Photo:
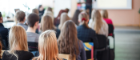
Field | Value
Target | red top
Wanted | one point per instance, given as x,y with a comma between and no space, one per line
108,21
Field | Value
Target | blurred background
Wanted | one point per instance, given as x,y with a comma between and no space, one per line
125,15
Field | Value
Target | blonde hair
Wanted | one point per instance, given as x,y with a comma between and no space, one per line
18,38
48,48
64,17
104,13
81,16
35,11
46,23
97,20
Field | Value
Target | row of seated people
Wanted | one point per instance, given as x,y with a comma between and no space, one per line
70,36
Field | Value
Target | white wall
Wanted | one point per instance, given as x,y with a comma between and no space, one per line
61,4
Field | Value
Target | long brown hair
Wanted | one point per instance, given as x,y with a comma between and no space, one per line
48,48
85,16
64,17
75,17
47,23
104,13
68,40
97,20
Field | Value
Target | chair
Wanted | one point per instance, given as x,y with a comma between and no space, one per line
4,43
102,47
111,32
89,48
65,56
33,46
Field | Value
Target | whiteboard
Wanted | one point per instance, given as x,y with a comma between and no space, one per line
61,4
112,4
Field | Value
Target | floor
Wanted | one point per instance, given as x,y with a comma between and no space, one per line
127,43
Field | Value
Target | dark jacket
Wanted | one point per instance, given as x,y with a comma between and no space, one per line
87,35
22,55
4,36
3,31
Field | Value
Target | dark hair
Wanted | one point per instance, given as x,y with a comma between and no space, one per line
20,15
75,17
32,19
0,14
39,6
67,10
68,40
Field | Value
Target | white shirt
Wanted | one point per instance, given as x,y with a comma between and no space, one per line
103,30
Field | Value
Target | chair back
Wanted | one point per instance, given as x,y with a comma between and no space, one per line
89,48
65,56
4,43
110,29
33,46
102,41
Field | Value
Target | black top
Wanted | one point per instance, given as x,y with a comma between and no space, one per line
22,55
3,31
87,35
89,2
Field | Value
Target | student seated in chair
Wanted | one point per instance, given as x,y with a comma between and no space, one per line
48,49
20,18
32,36
85,33
18,45
69,43
98,24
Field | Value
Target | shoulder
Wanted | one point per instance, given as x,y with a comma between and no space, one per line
25,53
91,30
6,53
6,56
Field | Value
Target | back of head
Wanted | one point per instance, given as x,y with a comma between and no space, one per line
64,17
32,19
20,16
18,38
35,11
49,9
67,10
97,19
83,18
39,6
104,14
48,48
75,17
47,23
68,40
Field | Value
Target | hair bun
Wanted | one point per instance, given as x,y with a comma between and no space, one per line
83,19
